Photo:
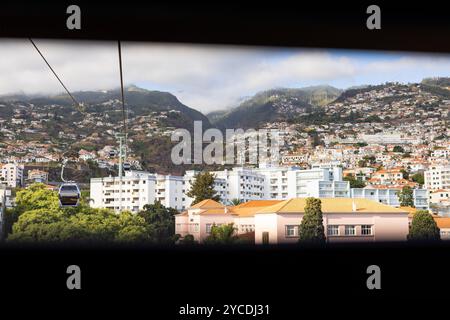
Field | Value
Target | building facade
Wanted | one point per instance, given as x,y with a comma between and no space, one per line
131,192
277,222
243,183
390,196
317,182
37,176
437,177
11,174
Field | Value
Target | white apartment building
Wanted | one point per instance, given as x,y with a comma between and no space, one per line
140,188
276,182
11,174
437,177
265,183
317,182
132,192
169,190
243,183
390,196
281,183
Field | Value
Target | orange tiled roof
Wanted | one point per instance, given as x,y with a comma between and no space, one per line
440,190
207,203
248,209
333,205
442,222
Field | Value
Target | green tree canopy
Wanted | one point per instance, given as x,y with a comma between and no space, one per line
418,178
203,188
354,182
405,174
39,218
161,222
423,227
311,228
398,149
86,225
406,197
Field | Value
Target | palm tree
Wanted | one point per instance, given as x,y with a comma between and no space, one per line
224,234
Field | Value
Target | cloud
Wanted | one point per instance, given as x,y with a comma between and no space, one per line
203,77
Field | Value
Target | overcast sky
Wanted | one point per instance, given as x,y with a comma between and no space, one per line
206,78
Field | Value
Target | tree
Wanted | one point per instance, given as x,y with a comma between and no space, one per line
86,225
418,178
405,197
188,240
36,196
362,163
311,228
354,183
224,234
398,149
236,201
405,174
39,218
423,227
161,222
203,188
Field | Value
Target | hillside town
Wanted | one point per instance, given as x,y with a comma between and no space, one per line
370,145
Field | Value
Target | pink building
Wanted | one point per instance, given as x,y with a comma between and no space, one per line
276,221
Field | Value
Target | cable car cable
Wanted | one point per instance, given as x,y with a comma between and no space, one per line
121,89
56,75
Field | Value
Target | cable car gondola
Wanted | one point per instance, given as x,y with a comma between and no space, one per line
126,166
69,195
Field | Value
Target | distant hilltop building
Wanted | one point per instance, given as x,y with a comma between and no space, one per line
37,176
389,138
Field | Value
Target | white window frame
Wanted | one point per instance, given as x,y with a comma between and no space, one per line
366,234
295,230
347,228
333,227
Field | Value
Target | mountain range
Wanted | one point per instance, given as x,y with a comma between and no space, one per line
279,104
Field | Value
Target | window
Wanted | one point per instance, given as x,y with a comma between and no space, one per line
333,230
292,231
350,230
208,227
366,230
